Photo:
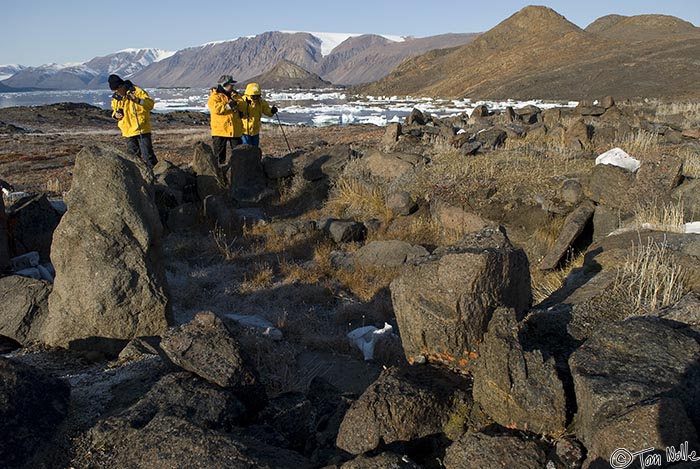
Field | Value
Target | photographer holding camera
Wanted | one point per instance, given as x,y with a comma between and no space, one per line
253,107
225,117
131,107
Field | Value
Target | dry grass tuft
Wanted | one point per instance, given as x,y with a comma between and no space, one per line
545,283
640,143
362,281
294,272
293,189
421,229
521,170
366,282
690,110
668,218
651,278
351,197
691,162
260,276
54,186
225,244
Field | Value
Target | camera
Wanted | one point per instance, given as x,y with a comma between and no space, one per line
117,97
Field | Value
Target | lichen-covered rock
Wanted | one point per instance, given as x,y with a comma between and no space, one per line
207,348
401,405
110,275
518,388
444,302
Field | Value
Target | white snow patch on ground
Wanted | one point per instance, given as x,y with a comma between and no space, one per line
618,157
693,227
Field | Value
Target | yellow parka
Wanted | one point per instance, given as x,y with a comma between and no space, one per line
225,119
137,115
253,109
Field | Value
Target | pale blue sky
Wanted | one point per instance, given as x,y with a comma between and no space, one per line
34,32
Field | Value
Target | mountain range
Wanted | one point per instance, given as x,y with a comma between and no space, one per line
537,53
342,59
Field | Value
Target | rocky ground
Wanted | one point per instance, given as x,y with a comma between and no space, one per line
522,335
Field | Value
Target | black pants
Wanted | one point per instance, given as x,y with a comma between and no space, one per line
141,146
220,146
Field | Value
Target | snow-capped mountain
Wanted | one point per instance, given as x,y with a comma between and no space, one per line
6,71
128,61
340,58
91,74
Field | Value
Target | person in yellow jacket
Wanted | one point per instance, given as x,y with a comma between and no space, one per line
131,107
253,107
226,125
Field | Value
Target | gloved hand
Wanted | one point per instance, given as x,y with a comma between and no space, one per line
273,110
132,97
119,114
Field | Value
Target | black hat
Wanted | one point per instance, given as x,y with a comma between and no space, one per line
226,80
114,82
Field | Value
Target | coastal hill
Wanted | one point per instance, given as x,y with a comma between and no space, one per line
538,53
287,75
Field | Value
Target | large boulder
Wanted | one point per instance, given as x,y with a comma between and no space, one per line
25,305
110,277
246,175
172,176
391,135
381,461
220,211
574,225
619,188
637,384
517,388
391,166
32,404
577,135
611,185
491,138
494,452
325,162
279,167
445,301
170,441
32,221
189,397
345,231
388,253
207,348
403,404
210,179
4,246
456,219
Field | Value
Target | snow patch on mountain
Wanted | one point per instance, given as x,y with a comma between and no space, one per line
330,41
7,70
155,55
